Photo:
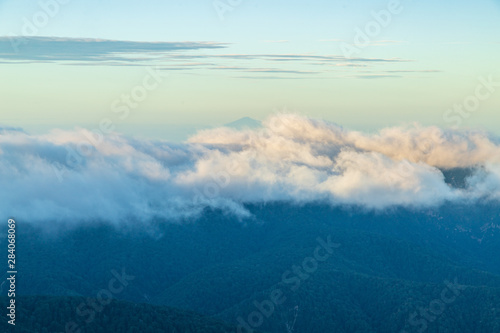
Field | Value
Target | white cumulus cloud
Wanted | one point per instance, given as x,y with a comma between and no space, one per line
66,176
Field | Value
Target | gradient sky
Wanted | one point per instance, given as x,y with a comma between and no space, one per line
263,57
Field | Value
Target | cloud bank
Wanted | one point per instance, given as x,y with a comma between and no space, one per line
78,176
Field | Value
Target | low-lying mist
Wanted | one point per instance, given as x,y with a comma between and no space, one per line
80,176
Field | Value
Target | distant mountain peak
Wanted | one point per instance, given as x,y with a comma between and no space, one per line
245,122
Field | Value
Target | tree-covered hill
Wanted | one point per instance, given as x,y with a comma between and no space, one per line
385,266
57,315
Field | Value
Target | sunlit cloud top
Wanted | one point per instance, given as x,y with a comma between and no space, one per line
78,176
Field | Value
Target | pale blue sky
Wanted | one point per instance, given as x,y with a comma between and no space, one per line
263,57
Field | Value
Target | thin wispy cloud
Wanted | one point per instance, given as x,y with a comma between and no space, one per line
388,74
415,71
457,43
370,43
374,76
276,41
268,77
91,50
176,56
349,65
274,70
263,70
387,42
99,50
331,40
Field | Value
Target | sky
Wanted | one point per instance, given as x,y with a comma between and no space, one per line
114,110
191,64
